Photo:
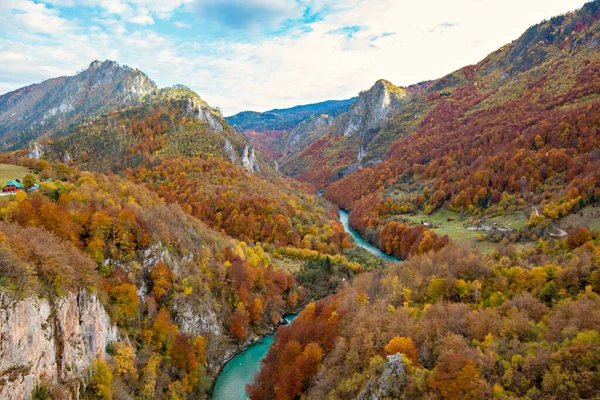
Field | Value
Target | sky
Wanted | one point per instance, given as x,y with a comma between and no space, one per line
261,54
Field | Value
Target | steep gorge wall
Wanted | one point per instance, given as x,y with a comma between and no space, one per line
54,341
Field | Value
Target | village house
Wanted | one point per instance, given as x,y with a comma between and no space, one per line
12,186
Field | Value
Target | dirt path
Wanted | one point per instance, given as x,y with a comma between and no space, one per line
560,232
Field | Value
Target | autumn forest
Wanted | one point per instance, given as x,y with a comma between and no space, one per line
196,234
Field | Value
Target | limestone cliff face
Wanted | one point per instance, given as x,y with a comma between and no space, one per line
235,147
306,132
372,109
352,132
36,152
197,316
249,159
230,151
388,385
55,341
201,111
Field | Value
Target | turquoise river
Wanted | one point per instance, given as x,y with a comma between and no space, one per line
240,370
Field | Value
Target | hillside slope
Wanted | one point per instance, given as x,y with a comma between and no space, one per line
354,139
98,274
29,112
552,66
518,130
449,326
172,122
517,133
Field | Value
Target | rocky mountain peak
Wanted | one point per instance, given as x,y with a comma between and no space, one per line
110,72
45,107
96,64
383,83
372,108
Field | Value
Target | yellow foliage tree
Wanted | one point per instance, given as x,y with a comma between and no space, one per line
101,380
124,359
149,375
200,347
20,196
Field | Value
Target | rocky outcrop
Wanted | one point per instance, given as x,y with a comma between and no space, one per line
128,84
372,109
200,110
196,316
208,117
249,159
305,133
36,152
198,319
388,385
51,341
230,151
352,133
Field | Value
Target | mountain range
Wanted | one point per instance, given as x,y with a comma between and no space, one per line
91,117
29,112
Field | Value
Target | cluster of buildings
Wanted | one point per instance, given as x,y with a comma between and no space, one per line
15,185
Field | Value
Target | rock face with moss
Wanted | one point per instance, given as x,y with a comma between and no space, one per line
306,132
389,384
51,342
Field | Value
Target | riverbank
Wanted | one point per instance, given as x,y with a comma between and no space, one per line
344,218
240,369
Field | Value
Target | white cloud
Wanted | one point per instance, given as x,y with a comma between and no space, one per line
33,18
143,19
314,66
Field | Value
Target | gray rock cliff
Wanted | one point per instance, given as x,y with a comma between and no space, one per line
388,385
55,341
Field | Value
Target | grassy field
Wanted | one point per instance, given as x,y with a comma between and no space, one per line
289,265
8,172
589,216
486,247
515,221
439,217
455,229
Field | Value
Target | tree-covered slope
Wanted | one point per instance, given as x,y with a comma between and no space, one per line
287,118
173,122
551,69
450,325
518,131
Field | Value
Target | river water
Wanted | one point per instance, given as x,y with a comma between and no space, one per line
362,242
240,370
